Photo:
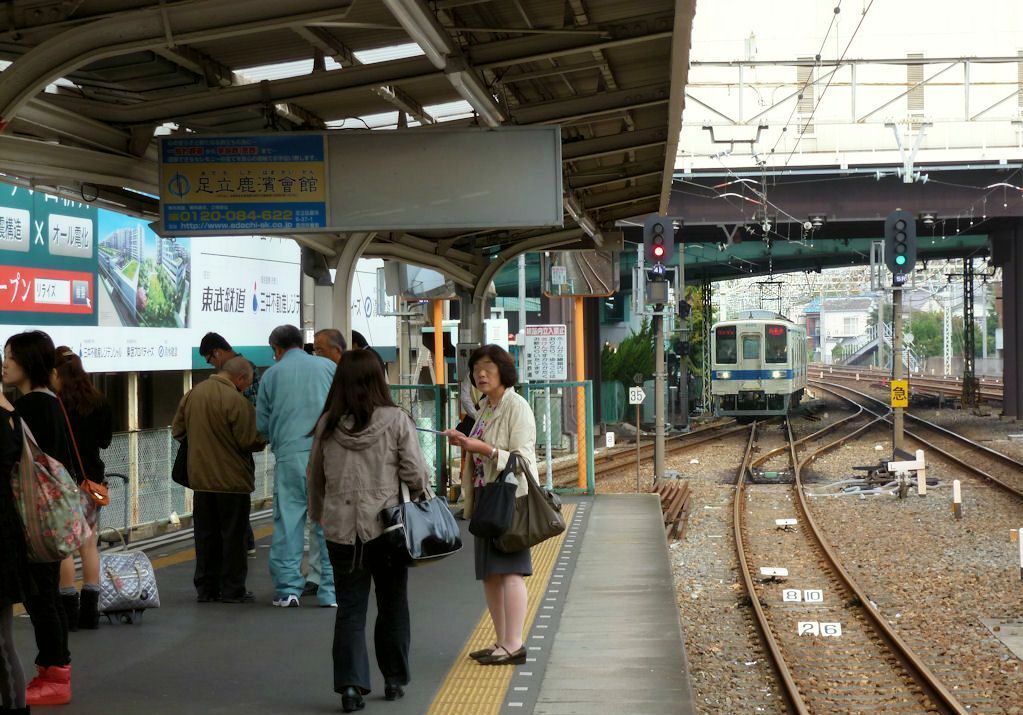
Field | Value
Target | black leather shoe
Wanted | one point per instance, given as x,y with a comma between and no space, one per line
310,588
351,700
393,691
247,597
207,598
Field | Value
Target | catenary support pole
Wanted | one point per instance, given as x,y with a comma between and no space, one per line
583,439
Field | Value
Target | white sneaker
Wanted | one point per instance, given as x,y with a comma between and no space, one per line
289,601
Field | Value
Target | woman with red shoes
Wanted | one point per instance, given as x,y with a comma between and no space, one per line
28,365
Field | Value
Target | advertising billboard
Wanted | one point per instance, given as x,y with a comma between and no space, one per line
126,299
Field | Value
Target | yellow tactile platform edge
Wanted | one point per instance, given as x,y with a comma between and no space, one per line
473,689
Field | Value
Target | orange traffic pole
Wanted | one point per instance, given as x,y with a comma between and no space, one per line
580,392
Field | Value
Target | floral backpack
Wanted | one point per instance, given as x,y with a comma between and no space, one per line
48,502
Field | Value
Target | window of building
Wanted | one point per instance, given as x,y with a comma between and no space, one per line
612,309
849,326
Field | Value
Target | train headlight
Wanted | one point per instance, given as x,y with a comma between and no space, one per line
777,374
724,374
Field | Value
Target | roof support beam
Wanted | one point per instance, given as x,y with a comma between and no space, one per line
163,25
354,80
614,175
608,199
26,157
408,254
534,243
344,56
613,144
532,48
592,105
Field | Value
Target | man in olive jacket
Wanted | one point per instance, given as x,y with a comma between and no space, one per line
220,425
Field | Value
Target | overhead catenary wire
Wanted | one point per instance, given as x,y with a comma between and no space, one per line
820,97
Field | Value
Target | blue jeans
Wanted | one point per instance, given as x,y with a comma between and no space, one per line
288,543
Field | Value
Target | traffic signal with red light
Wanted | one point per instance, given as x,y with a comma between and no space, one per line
658,239
900,243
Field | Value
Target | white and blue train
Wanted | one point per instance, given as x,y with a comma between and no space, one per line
758,365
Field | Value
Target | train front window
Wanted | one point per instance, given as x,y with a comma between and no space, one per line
724,344
750,347
775,345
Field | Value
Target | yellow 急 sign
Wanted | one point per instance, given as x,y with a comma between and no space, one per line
900,393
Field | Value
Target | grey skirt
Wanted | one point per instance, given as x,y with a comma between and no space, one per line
491,562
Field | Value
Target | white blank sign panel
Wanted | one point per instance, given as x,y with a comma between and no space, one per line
445,178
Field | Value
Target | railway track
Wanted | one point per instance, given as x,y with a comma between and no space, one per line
990,465
990,390
831,650
614,460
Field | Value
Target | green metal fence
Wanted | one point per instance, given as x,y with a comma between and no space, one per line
536,393
427,404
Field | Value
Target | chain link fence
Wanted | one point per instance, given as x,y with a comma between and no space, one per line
150,495
145,458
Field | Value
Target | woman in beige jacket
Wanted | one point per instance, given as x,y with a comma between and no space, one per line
364,447
504,424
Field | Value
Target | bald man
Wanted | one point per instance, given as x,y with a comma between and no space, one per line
329,343
220,426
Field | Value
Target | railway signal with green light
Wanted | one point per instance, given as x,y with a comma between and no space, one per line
900,243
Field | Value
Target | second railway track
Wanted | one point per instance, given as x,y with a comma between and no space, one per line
832,652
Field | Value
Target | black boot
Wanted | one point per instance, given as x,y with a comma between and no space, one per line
88,613
70,604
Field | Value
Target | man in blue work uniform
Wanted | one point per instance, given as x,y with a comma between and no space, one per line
291,396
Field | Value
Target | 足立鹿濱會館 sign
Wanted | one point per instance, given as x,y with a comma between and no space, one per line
243,184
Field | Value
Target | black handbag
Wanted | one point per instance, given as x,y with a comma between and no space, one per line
420,532
537,518
494,510
179,472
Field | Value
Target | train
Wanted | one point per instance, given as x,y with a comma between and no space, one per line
758,365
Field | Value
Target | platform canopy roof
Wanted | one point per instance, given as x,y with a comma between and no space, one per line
89,84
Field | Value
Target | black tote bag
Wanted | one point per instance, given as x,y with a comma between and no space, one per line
179,472
494,510
421,532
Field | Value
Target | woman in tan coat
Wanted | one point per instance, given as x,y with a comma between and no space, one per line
364,446
504,424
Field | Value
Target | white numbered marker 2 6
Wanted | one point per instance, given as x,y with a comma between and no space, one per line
813,595
831,629
809,628
791,595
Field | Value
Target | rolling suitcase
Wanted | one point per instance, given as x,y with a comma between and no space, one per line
127,580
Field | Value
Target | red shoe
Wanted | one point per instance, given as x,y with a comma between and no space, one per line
52,686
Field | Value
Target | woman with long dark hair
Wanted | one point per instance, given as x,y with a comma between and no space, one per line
15,581
91,420
28,365
364,447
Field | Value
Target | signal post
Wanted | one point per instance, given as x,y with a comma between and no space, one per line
658,247
900,257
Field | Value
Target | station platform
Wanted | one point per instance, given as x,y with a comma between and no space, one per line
603,636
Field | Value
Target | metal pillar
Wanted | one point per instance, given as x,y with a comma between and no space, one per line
522,317
946,333
347,260
897,368
659,388
971,388
584,440
706,296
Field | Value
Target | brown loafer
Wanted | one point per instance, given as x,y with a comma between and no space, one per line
505,658
483,653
